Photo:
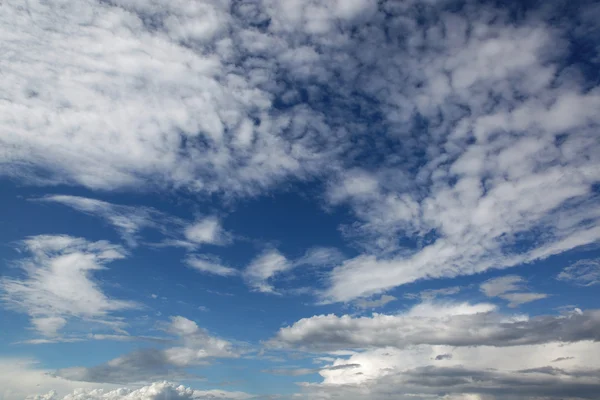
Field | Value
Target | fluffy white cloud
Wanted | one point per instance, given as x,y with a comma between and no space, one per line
205,231
454,136
168,104
58,282
154,391
491,372
22,379
489,151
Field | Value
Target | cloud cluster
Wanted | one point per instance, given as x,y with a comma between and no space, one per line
450,351
183,97
490,136
454,135
57,283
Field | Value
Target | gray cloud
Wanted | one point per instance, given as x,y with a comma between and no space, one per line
464,383
192,346
458,325
374,303
510,288
562,359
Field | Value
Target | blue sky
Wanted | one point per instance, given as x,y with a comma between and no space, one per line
299,199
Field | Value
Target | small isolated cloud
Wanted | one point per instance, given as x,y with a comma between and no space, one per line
206,231
440,357
582,273
497,286
58,283
265,267
210,265
510,288
365,304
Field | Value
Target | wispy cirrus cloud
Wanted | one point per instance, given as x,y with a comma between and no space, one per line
582,272
129,221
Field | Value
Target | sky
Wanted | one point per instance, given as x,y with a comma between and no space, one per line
299,199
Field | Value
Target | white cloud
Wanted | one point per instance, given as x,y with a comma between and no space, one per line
265,267
205,231
497,286
156,390
174,107
483,371
23,379
582,272
48,326
130,220
210,266
58,282
453,139
510,288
